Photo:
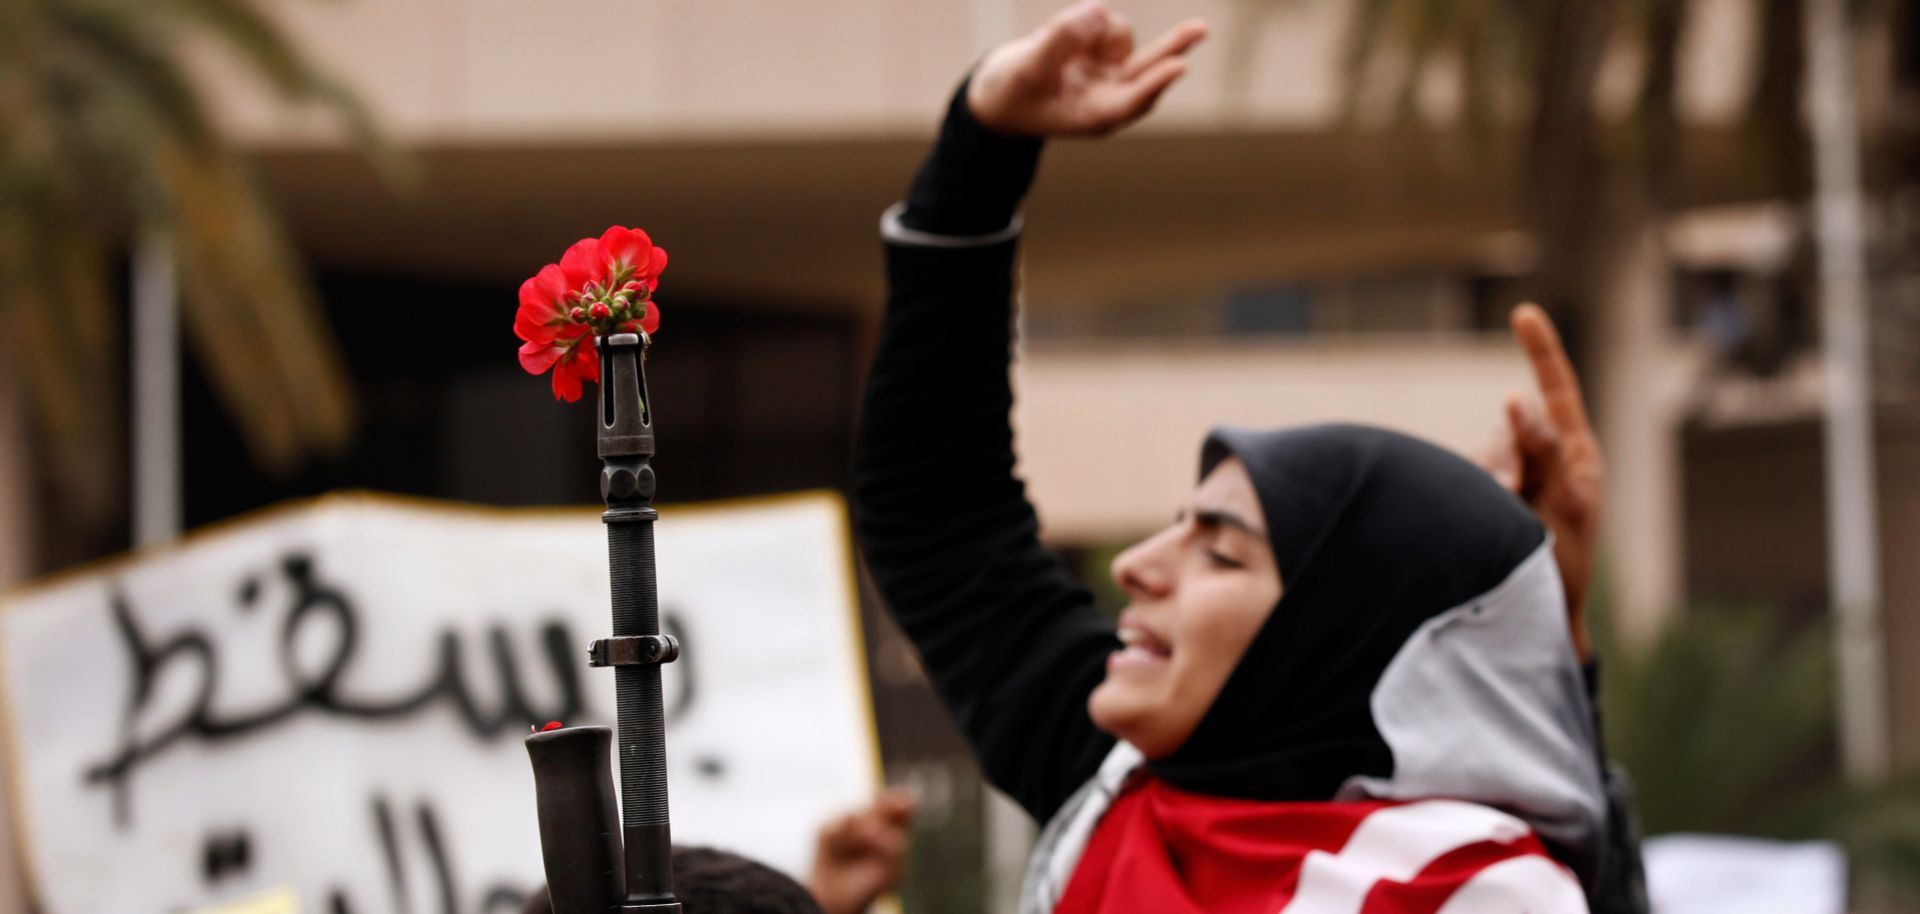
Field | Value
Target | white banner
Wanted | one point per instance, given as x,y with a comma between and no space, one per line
331,698
1725,874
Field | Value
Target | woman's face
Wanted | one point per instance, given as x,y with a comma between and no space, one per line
1197,593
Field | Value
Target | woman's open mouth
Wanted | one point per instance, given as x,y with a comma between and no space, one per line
1141,648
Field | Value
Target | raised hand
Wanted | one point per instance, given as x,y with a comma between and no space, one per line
1548,455
1077,75
860,856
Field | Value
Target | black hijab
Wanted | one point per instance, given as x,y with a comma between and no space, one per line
1375,533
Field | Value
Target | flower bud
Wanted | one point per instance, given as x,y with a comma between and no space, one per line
600,311
634,286
578,314
622,300
630,327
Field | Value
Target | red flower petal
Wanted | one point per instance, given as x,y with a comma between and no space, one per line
651,323
545,288
540,305
626,246
587,360
656,264
536,357
566,381
532,328
583,263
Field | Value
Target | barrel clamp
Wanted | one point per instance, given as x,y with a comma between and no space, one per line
634,650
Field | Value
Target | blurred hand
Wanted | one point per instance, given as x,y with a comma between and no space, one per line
1547,454
860,856
1077,75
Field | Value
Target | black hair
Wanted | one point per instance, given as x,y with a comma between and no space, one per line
711,881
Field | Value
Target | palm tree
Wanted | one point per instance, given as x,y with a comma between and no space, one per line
1749,750
1726,722
106,137
1529,69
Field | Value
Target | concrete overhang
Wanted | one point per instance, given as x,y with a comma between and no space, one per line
796,221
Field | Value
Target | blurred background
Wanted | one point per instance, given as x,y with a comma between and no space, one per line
257,249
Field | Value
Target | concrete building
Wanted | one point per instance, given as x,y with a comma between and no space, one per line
1250,255
1249,213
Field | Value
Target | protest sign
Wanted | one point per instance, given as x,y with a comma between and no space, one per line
331,697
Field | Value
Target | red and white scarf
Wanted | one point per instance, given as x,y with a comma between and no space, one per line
1165,851
1486,716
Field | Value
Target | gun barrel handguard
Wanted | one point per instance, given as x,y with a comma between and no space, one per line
635,652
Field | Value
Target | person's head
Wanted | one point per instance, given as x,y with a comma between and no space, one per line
1197,593
1343,611
709,881
1297,568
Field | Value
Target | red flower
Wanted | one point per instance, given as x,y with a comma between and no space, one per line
568,373
553,339
543,307
631,256
601,285
582,264
618,256
571,361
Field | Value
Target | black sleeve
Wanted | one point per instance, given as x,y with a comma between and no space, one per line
973,180
1008,635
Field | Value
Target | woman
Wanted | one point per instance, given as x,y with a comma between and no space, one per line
1344,682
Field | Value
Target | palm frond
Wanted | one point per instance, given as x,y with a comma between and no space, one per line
1725,708
1727,724
1660,25
1369,30
250,317
103,131
107,53
253,37
56,311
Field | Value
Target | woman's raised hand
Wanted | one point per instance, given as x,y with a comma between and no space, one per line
1078,75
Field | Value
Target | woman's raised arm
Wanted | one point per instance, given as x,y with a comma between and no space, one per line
1008,635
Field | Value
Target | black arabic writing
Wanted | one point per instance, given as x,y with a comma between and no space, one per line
319,690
